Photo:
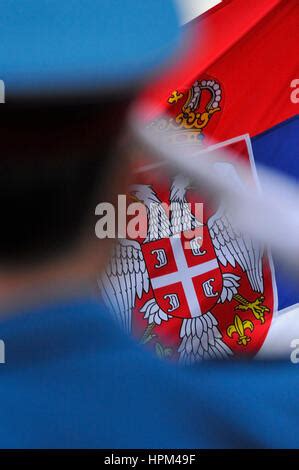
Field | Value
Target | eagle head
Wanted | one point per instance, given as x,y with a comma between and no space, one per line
144,193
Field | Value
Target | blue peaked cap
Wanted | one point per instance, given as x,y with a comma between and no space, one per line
74,46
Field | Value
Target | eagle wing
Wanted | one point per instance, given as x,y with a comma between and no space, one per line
233,247
126,279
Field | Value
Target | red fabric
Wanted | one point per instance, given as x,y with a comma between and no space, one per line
251,49
165,338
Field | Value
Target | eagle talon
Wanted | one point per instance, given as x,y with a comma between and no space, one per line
256,307
148,334
147,339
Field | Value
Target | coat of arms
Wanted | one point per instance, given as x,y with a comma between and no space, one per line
194,287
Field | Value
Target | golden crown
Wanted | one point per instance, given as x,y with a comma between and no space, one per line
186,126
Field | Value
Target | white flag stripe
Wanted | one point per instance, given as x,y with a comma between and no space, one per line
283,335
190,9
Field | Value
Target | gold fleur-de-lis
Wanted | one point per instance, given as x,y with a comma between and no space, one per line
238,327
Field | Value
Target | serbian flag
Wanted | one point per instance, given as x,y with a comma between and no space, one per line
250,49
233,86
243,57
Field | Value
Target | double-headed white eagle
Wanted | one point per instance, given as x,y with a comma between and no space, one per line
126,277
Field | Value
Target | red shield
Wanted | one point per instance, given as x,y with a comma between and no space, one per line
200,290
184,271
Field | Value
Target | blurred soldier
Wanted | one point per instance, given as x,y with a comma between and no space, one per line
71,379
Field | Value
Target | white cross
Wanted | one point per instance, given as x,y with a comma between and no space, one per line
184,274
